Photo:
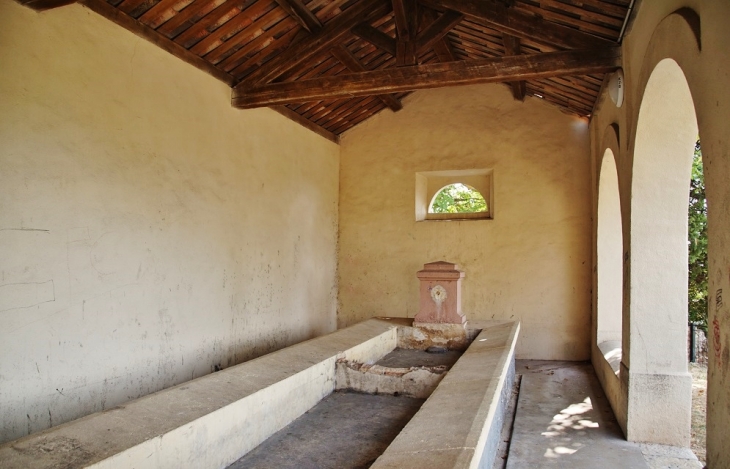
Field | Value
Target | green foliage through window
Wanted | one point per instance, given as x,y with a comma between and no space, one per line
697,243
458,198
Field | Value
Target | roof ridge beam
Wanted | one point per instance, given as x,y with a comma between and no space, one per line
417,77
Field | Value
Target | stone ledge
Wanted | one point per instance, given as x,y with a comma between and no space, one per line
460,423
210,421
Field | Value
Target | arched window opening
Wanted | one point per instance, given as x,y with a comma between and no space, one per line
458,198
610,263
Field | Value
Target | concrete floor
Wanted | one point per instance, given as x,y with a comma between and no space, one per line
564,420
345,430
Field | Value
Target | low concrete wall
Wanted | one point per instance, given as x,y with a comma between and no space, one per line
209,422
459,425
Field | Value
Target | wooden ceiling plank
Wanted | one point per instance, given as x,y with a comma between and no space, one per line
351,108
336,108
242,56
188,17
135,8
342,54
360,116
520,24
240,27
554,17
437,30
323,40
500,69
303,15
588,16
222,20
282,31
162,12
375,37
329,108
512,47
140,29
43,5
215,49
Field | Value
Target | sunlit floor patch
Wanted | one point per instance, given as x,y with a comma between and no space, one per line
564,420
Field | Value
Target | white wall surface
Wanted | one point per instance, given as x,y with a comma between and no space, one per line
148,231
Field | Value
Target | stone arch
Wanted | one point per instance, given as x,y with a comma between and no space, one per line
658,384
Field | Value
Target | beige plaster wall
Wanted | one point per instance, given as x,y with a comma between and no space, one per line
531,262
148,231
653,37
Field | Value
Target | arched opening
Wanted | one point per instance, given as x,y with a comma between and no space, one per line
610,263
659,385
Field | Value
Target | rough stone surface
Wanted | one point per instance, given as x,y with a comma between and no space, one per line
400,358
210,421
345,430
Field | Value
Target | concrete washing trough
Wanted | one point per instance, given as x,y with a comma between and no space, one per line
215,420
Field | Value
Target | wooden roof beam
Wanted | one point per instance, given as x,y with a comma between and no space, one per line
416,77
303,15
342,54
406,25
494,14
512,47
319,42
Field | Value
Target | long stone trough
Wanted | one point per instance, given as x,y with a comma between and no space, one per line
212,421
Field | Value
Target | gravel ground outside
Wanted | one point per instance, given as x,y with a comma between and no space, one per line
699,409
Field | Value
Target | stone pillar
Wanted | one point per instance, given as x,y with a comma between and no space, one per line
440,294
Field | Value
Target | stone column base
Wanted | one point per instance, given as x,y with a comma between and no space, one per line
659,408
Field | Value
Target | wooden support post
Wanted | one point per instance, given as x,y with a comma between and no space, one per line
512,47
406,23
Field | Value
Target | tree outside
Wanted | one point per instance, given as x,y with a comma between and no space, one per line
697,243
458,198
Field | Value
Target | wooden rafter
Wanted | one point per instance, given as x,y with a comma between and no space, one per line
301,13
496,15
416,77
326,38
406,23
512,47
436,31
375,37
342,54
443,48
